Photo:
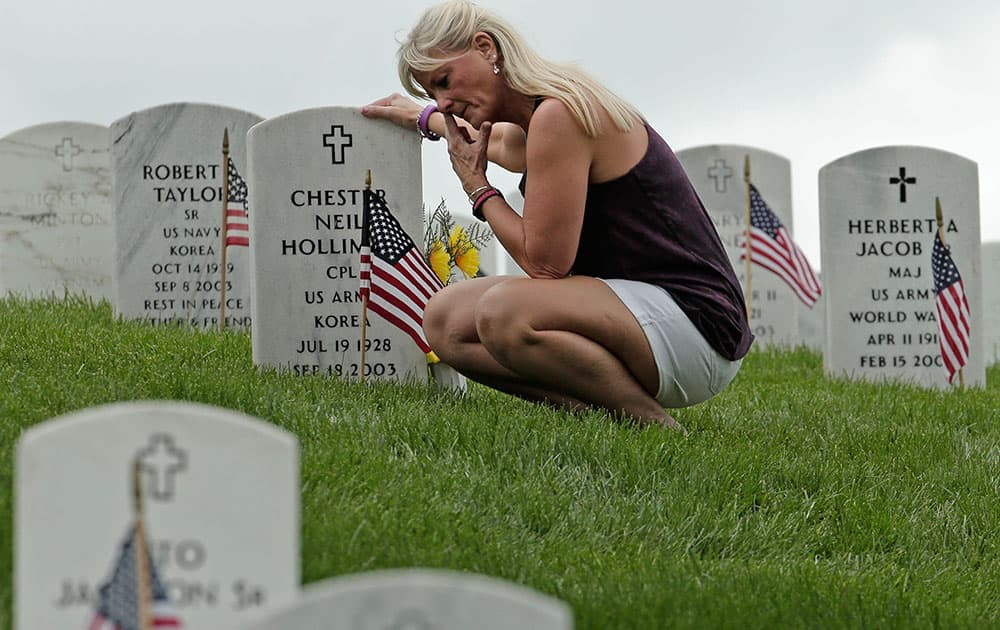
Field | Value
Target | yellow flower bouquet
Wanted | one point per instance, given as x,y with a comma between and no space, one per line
452,247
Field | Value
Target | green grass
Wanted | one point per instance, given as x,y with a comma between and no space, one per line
796,500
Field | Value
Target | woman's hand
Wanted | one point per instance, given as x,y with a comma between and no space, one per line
468,155
395,108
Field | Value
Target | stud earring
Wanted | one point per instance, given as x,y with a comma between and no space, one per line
496,68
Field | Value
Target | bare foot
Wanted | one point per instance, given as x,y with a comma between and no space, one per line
669,422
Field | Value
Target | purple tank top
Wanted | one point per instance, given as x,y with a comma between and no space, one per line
649,225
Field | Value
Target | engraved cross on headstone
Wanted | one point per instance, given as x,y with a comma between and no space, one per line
720,172
66,151
902,180
337,140
161,461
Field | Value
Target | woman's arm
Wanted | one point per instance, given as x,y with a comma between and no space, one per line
544,239
506,145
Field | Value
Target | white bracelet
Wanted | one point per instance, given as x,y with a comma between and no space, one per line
475,193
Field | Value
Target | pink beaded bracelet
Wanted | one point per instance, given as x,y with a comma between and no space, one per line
423,119
477,208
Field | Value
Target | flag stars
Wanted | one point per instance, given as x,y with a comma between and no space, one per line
394,276
761,216
237,185
118,598
943,267
391,241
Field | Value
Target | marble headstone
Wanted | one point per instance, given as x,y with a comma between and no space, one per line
991,301
55,211
168,210
420,598
308,171
716,171
221,512
877,229
812,325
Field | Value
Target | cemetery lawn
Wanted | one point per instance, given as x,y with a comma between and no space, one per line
796,500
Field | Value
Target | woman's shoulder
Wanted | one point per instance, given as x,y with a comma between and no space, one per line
550,107
552,115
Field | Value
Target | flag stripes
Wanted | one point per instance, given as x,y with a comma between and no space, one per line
236,228
772,247
118,598
952,309
394,276
398,294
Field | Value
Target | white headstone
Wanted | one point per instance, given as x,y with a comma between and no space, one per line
221,511
991,301
55,211
877,228
717,173
420,599
168,209
308,171
812,325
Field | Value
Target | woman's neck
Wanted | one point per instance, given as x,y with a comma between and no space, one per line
520,109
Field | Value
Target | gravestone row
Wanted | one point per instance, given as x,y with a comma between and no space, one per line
154,203
155,194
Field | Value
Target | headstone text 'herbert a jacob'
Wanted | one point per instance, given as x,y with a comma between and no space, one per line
55,211
168,210
307,172
878,229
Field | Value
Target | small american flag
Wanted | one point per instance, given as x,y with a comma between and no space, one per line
394,275
118,598
952,309
772,247
237,228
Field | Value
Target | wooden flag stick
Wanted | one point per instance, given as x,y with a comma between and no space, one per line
364,296
225,210
144,589
746,236
940,223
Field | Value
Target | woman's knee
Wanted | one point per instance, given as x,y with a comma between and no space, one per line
436,322
502,320
448,320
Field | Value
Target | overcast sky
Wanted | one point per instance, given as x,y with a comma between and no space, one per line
810,80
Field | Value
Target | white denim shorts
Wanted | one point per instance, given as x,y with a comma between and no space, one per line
691,371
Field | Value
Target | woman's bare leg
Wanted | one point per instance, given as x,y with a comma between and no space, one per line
449,323
569,341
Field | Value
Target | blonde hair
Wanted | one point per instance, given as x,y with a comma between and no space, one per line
449,28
